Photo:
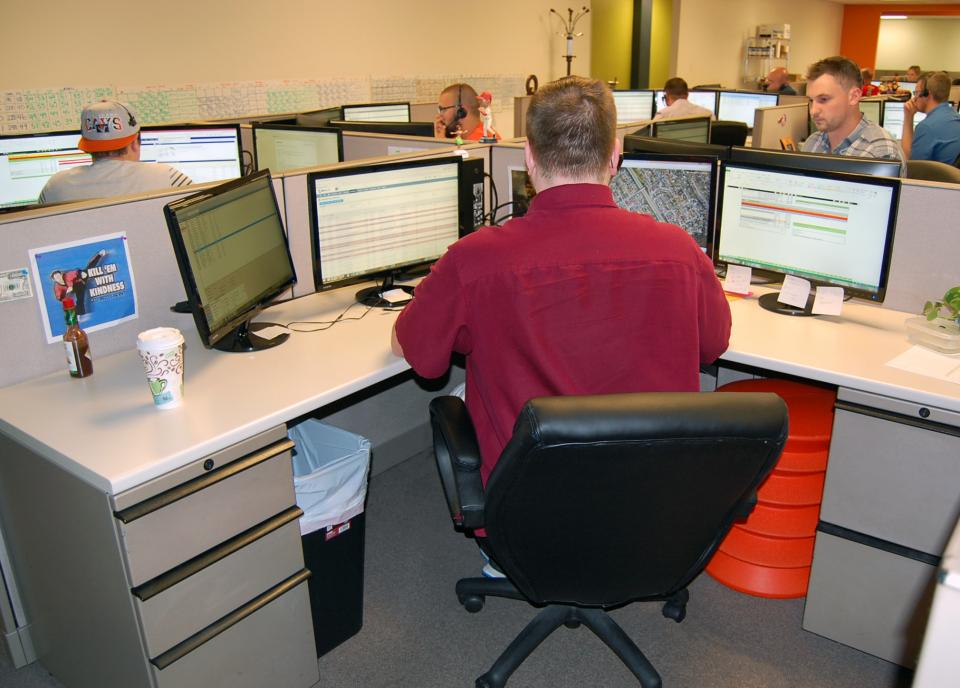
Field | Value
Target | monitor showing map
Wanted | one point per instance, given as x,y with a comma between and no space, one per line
679,189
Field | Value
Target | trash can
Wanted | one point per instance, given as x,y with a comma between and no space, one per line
330,468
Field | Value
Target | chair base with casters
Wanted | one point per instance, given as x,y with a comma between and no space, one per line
584,477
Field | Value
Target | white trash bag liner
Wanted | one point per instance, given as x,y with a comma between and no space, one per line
330,468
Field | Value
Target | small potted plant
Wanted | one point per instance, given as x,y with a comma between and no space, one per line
946,311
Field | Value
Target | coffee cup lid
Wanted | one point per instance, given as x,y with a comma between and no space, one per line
159,337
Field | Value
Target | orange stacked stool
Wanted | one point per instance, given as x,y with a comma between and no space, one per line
769,555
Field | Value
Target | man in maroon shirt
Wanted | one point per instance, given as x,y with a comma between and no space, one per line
575,297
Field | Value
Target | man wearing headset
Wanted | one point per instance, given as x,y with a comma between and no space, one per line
937,137
109,131
458,114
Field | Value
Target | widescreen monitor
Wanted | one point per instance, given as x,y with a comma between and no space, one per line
281,147
638,143
876,167
739,106
832,229
203,152
691,129
775,126
872,110
395,128
893,118
233,257
373,221
633,106
376,112
27,161
705,99
679,189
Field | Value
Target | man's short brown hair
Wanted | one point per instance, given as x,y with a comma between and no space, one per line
676,87
841,68
938,86
571,127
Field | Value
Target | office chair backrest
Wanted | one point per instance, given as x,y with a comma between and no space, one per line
933,171
728,133
599,500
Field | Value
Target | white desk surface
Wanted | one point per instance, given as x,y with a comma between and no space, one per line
105,430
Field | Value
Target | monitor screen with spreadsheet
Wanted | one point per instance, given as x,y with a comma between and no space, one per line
705,99
830,228
893,118
372,221
739,106
692,129
203,152
679,189
234,259
872,110
281,147
27,161
376,112
633,106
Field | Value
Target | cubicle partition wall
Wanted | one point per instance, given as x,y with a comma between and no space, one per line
506,165
363,145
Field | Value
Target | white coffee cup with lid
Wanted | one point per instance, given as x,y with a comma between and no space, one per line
161,350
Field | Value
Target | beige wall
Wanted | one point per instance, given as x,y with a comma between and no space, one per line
931,43
710,34
153,43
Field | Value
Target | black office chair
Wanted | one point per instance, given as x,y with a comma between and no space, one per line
728,133
933,171
598,501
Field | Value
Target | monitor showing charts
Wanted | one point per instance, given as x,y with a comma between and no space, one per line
739,106
672,188
705,99
203,152
376,112
27,161
893,118
830,228
281,147
633,106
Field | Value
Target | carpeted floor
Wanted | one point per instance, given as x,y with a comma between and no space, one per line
416,635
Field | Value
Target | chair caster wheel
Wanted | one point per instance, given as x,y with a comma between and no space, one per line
483,683
472,603
675,611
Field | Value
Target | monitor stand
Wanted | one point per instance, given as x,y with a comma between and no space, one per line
243,339
770,303
373,296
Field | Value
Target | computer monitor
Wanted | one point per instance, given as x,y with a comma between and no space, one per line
395,128
376,112
832,229
774,125
203,152
318,118
679,189
27,161
705,99
234,259
893,118
373,221
876,167
739,106
872,110
908,86
281,147
691,129
633,106
638,143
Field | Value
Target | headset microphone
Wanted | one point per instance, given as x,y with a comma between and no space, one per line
461,111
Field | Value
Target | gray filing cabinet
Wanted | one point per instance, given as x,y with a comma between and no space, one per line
891,499
195,578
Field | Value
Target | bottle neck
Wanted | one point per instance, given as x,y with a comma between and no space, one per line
70,316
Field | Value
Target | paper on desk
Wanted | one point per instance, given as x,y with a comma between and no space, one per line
924,361
737,279
828,301
395,296
271,332
794,291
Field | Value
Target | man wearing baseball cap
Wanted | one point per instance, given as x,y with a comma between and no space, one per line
110,133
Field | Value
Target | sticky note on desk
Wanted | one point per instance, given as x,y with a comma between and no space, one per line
794,292
828,301
737,279
395,296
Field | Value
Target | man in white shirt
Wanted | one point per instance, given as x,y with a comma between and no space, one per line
675,92
110,133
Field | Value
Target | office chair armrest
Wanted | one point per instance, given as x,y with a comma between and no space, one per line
458,460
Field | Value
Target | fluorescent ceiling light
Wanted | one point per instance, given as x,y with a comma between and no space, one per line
893,16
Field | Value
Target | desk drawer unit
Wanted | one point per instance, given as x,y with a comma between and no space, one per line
891,499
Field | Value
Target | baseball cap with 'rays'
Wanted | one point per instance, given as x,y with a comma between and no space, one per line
106,126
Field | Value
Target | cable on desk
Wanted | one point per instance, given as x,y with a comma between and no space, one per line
321,325
493,191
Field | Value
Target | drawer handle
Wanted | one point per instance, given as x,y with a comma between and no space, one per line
921,423
157,585
876,543
182,649
148,506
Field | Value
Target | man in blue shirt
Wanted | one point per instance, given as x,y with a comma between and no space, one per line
937,137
